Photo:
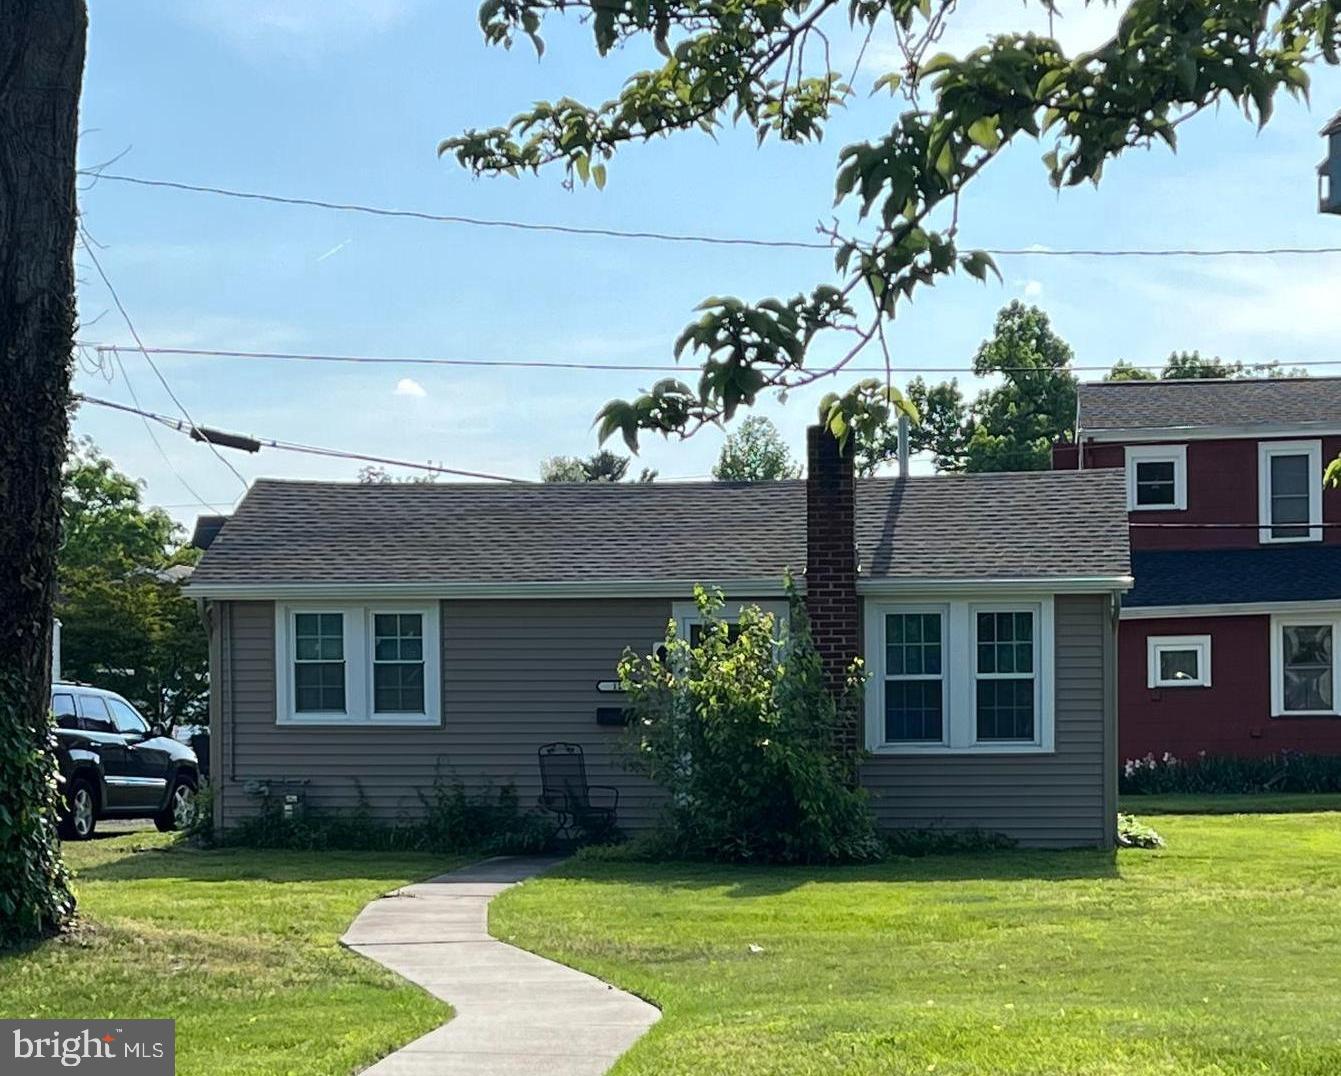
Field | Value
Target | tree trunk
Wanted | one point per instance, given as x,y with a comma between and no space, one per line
41,67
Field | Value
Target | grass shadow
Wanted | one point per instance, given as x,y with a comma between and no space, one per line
749,881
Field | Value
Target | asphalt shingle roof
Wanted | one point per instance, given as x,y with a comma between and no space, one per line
1005,526
1135,405
1235,576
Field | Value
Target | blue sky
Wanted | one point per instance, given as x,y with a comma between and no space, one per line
347,100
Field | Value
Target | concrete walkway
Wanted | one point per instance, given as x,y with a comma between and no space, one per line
516,1013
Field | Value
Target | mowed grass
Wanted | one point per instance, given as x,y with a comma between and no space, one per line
1263,803
1220,954
240,947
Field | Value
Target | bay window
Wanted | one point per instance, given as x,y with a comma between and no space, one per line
973,676
343,664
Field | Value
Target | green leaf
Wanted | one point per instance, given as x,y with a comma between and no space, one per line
598,176
984,133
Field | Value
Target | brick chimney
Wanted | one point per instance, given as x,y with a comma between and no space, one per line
831,555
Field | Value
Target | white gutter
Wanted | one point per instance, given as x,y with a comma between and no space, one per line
1169,612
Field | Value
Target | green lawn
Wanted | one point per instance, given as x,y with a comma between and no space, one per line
239,946
1266,803
1220,954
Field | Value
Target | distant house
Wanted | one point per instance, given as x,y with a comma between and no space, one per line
1228,640
367,637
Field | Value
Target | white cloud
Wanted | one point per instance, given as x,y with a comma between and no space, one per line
408,386
296,26
1033,289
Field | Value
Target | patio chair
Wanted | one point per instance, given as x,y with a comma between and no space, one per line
564,792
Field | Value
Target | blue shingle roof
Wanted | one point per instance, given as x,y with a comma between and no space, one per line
1235,576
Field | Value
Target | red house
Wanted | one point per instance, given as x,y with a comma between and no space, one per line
1228,641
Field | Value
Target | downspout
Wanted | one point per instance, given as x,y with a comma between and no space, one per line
1111,711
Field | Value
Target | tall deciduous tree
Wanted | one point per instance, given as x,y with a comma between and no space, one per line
766,64
755,452
1010,427
41,66
125,624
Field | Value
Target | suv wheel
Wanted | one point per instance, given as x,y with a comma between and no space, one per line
81,817
181,809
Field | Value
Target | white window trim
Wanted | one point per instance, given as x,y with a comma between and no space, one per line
1157,644
358,640
686,614
1278,624
884,675
959,664
1265,451
1175,454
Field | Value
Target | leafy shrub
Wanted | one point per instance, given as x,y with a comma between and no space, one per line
938,842
453,821
740,729
1288,771
1133,833
201,829
35,894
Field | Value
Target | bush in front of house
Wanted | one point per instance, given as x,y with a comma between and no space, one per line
1288,771
1133,833
740,730
454,821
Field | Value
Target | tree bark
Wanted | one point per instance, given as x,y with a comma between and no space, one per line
42,46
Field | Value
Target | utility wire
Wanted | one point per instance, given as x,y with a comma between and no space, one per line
673,237
130,325
545,364
191,430
159,444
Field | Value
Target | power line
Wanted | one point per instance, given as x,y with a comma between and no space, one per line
130,325
689,237
159,445
201,434
545,364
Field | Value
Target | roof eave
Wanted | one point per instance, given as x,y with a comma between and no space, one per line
1129,434
641,588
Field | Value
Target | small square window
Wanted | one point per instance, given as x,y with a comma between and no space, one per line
1156,478
1178,661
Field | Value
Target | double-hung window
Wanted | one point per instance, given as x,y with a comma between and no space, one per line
1156,478
1304,673
914,680
1006,686
1289,491
357,664
319,663
960,675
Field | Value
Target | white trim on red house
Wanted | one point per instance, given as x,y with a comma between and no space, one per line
1278,624
1265,451
1179,612
1155,645
1261,430
1175,454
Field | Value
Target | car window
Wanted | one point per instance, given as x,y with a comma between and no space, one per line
127,720
63,707
93,714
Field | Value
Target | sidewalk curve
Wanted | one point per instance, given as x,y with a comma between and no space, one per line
516,1013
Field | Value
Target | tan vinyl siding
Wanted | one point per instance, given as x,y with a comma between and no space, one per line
1055,800
515,675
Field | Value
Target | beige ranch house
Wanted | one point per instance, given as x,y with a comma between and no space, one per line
365,639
